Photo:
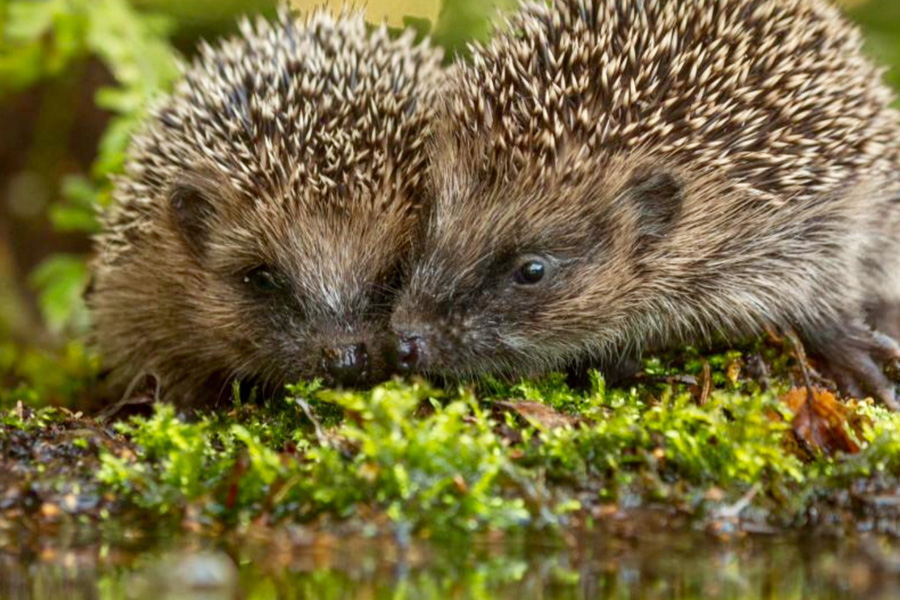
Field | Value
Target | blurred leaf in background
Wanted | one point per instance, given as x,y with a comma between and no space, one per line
61,279
464,21
207,19
453,23
133,48
393,12
45,40
27,52
880,20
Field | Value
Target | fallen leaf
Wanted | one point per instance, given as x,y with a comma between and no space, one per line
537,414
820,421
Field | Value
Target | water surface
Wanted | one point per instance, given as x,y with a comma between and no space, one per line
293,563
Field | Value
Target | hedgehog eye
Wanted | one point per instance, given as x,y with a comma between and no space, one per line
262,279
530,271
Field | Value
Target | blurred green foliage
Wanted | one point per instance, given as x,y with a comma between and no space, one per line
464,21
880,20
42,40
39,377
53,39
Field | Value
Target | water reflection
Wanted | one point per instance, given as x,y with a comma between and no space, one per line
672,566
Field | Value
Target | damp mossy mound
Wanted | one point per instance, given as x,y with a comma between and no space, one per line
707,438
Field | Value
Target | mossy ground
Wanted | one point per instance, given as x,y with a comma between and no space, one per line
713,438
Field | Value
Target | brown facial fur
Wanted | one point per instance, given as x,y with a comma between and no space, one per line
683,169
294,149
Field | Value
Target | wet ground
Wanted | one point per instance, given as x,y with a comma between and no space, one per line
607,562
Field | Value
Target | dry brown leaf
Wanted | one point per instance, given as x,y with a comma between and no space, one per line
537,414
820,421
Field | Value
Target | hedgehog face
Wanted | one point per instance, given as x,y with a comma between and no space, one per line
287,290
265,210
266,290
531,272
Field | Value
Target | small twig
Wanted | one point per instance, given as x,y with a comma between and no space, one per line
307,410
707,384
800,355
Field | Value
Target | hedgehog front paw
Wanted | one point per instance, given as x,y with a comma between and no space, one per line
856,359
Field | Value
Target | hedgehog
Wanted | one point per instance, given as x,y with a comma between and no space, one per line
260,227
609,178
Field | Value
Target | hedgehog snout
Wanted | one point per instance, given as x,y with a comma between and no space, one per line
410,347
347,365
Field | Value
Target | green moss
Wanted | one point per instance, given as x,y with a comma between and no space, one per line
441,471
697,432
436,461
731,442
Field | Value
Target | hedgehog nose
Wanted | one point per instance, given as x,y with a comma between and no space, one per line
348,365
409,349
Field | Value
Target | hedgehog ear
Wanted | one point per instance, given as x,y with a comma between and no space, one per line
192,213
658,196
